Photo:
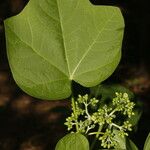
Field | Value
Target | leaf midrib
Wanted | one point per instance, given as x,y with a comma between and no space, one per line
63,38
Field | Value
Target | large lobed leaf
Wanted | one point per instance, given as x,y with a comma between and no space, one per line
52,42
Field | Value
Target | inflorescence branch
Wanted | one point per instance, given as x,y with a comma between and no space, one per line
104,118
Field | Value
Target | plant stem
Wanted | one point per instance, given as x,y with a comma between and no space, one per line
86,111
97,134
112,112
93,144
99,130
115,125
74,111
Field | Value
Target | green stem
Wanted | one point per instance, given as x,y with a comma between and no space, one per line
115,125
86,111
94,133
99,130
113,112
95,140
93,144
74,111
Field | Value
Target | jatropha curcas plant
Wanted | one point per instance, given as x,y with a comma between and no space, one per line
53,43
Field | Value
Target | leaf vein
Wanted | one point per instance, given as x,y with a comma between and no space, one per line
36,51
90,46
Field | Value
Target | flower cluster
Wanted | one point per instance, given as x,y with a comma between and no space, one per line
105,118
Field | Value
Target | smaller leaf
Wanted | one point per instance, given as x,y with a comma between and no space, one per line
121,141
130,145
73,141
108,91
136,117
147,143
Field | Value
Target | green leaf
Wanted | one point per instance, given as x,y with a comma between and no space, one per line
147,143
108,91
73,141
52,42
121,141
136,117
130,145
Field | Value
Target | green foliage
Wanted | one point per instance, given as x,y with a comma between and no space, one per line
107,91
137,115
52,42
73,141
121,141
147,143
130,145
105,118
